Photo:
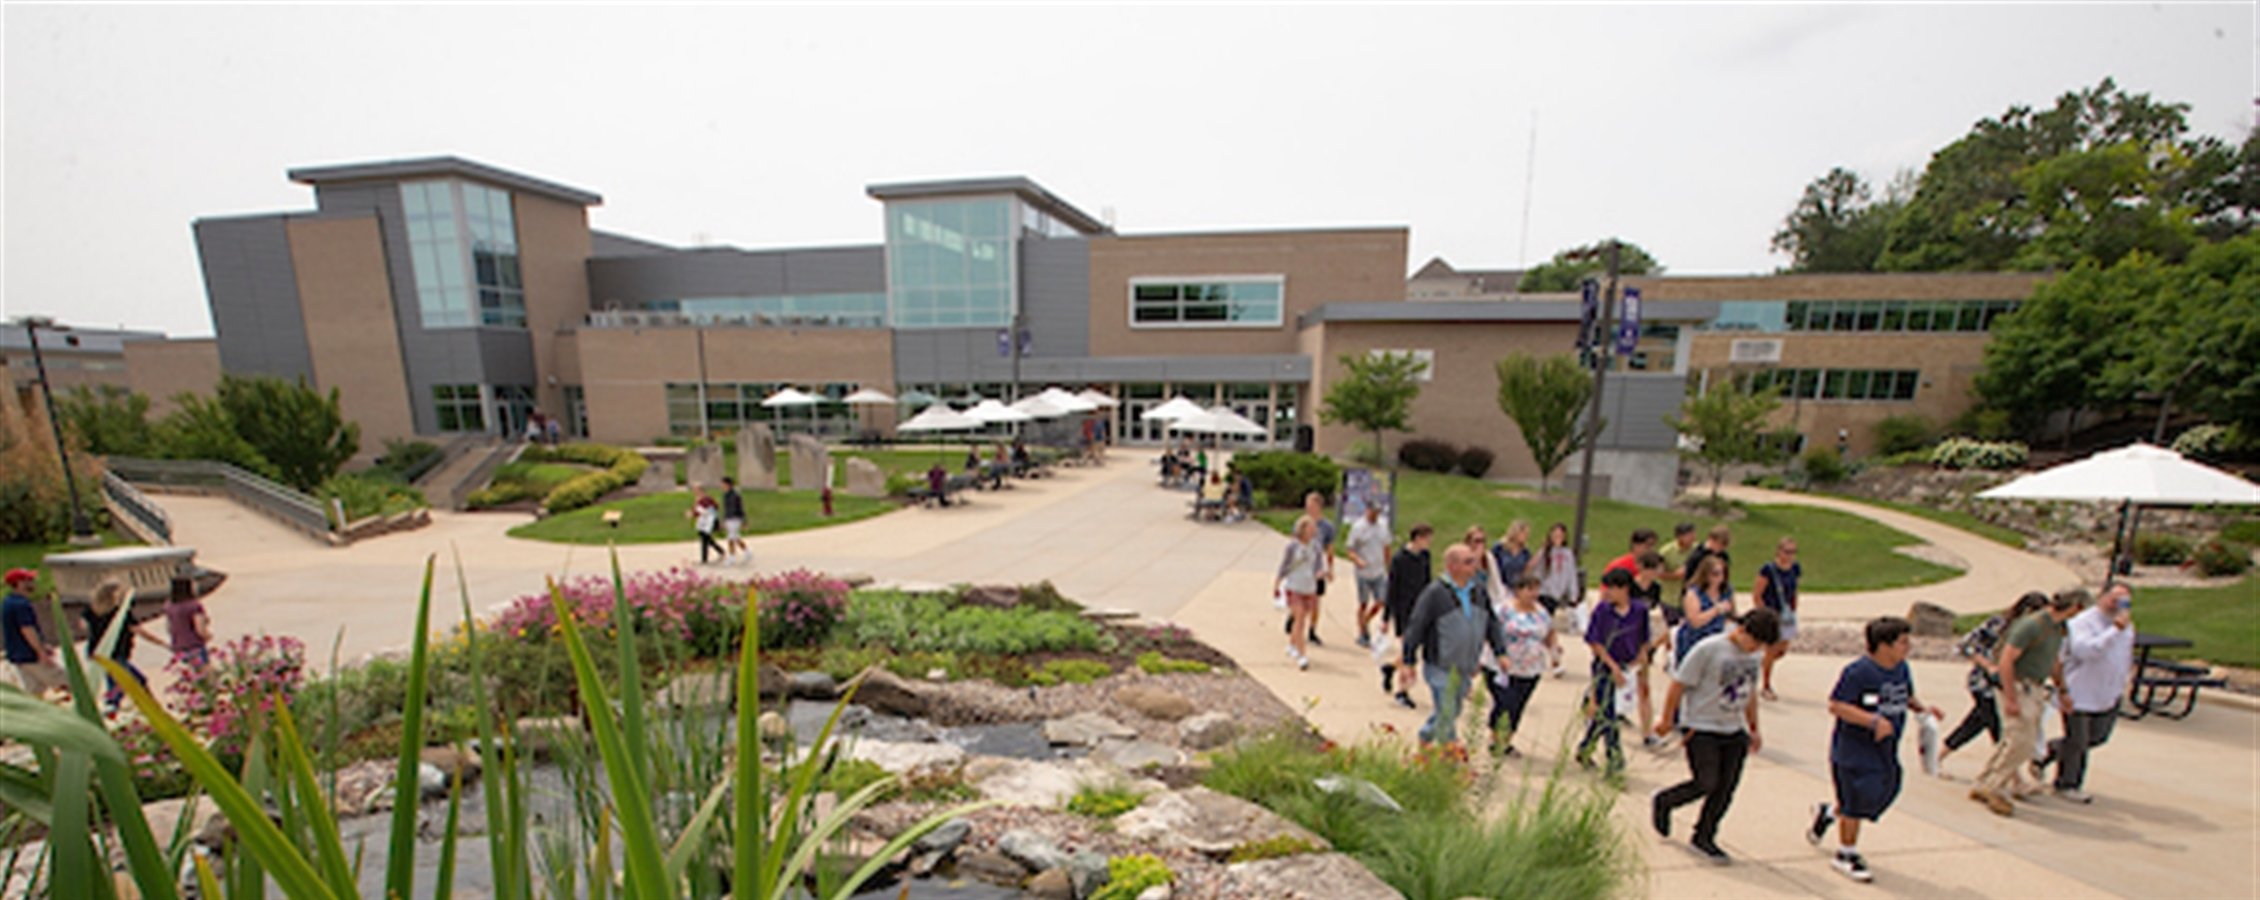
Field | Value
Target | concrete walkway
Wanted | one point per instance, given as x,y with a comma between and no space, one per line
2176,814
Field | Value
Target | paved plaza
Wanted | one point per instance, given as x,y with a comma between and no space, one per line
2175,814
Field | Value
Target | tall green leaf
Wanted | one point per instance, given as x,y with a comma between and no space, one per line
506,833
112,774
400,862
645,865
329,850
750,805
631,672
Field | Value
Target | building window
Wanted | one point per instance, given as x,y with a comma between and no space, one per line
576,411
950,263
463,249
1838,384
789,311
458,407
1257,301
731,404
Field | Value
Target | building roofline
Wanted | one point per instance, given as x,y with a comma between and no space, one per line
1260,232
441,166
1021,186
1426,311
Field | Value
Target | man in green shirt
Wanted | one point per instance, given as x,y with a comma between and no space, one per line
2028,658
1674,553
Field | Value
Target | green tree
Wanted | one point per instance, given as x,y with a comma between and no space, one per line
1725,427
1375,394
2206,314
1546,399
299,430
1568,268
2100,174
202,428
1837,226
108,419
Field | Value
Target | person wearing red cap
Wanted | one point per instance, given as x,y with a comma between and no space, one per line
34,662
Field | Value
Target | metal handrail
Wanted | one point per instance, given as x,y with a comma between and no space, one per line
277,501
125,497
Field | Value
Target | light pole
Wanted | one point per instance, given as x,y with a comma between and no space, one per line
1602,341
82,527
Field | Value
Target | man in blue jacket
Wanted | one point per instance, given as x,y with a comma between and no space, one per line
1451,623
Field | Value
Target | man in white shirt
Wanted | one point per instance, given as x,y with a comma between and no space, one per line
1368,549
2098,657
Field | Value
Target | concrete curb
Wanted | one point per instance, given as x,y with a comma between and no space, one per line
2231,700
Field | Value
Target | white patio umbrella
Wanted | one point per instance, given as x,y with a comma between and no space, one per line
2138,474
1040,407
990,411
939,418
790,397
915,398
868,397
1096,399
1219,420
1176,408
1071,403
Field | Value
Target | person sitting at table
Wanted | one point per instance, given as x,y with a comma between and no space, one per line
1019,455
1210,506
937,484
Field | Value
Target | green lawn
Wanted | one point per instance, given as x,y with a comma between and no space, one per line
661,518
890,462
1951,518
1840,551
28,556
2222,622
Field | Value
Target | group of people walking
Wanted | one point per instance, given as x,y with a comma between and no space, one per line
1500,611
189,632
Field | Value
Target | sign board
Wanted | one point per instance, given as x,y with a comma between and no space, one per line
1754,350
1362,488
1628,322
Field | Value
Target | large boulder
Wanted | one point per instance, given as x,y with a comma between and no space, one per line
1132,756
1334,876
453,763
899,757
1051,884
865,478
1154,703
990,867
1032,850
885,692
1931,620
702,466
812,463
994,596
757,457
1207,731
1084,729
1019,782
812,686
1206,821
713,689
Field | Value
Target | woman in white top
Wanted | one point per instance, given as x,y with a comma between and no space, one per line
1556,567
1298,577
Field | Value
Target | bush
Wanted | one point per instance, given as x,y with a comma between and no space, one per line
2220,558
1475,462
2245,532
1429,455
1900,434
2207,442
799,608
1823,466
408,459
900,484
1366,453
1271,848
1104,801
231,697
1765,480
906,622
1982,424
1064,671
621,468
2160,550
1282,478
1129,876
373,493
1963,453
1152,662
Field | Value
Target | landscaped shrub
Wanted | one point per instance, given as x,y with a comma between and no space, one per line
1429,455
1104,801
1282,478
1271,848
1475,462
1152,662
408,459
1963,453
2160,550
2204,441
1900,434
676,603
234,694
1066,671
523,480
621,468
2220,558
372,493
2244,532
799,608
1982,424
1823,466
977,629
1129,876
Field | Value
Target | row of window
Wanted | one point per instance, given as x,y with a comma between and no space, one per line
463,247
950,262
729,404
1838,384
1248,302
1860,315
798,310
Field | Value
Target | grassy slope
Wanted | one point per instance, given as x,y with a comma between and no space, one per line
661,518
1840,551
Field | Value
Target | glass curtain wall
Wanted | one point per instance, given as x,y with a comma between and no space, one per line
950,262
730,404
463,248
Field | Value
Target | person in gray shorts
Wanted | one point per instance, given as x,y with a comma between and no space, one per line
1368,550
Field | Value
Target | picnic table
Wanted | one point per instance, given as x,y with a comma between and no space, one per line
2155,676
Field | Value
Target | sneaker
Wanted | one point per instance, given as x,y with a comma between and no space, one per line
1769,695
1366,642
1658,815
2074,795
1405,700
1999,804
1302,662
1710,851
2039,769
1651,742
1388,679
1822,818
1853,865
1314,641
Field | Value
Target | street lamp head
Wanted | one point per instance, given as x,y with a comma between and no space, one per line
47,322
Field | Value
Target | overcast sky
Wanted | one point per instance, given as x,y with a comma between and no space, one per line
1688,129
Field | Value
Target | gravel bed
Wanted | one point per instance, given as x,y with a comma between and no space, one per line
1198,876
1850,639
984,702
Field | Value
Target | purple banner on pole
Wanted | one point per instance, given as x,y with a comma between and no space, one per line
1589,315
1628,322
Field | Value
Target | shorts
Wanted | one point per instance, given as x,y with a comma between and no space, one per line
1788,623
1297,603
39,677
731,527
1371,591
1864,792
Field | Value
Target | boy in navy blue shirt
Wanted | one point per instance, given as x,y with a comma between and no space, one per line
1870,703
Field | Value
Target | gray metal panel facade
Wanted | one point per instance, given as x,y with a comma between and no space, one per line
633,280
252,287
1055,295
1633,410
